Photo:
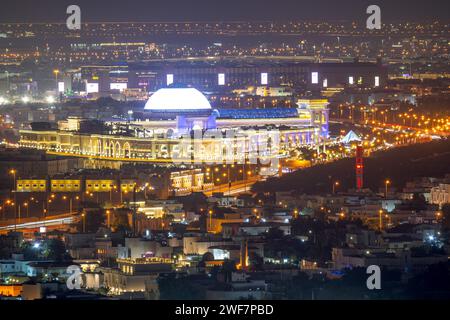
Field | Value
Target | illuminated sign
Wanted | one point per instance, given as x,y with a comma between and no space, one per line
377,81
221,79
169,79
350,80
91,87
325,83
264,78
118,86
60,86
314,77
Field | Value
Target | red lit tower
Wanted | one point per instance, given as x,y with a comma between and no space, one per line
359,167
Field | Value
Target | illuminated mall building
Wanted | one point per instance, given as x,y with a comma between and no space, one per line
217,74
173,114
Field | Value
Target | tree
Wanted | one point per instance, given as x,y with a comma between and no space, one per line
434,282
56,250
29,252
300,287
256,262
274,233
418,202
172,288
194,202
228,267
446,216
93,220
207,256
120,220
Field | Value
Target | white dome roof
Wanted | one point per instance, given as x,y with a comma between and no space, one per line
177,99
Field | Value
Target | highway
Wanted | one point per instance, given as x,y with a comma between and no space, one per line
58,220
67,218
235,188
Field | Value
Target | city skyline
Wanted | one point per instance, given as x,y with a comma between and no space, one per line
234,150
202,10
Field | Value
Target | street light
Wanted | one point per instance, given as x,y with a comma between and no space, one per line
210,219
56,72
84,222
25,204
70,203
13,172
108,216
335,184
380,219
386,183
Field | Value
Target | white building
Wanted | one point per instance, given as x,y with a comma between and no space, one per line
440,194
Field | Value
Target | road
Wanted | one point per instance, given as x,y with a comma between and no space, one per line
235,188
34,223
68,218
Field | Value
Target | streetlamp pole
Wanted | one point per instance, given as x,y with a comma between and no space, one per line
229,181
210,219
386,183
108,217
243,176
380,219
14,189
84,222
28,209
335,184
56,72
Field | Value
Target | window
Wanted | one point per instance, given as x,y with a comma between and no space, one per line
314,77
377,81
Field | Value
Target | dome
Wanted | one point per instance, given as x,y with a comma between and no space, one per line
169,99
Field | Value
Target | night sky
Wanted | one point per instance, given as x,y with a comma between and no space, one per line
214,10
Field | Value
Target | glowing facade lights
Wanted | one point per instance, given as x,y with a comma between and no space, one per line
177,99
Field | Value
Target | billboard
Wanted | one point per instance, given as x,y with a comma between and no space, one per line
264,78
221,79
91,87
118,86
169,79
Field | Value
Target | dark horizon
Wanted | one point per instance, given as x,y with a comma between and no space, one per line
231,10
